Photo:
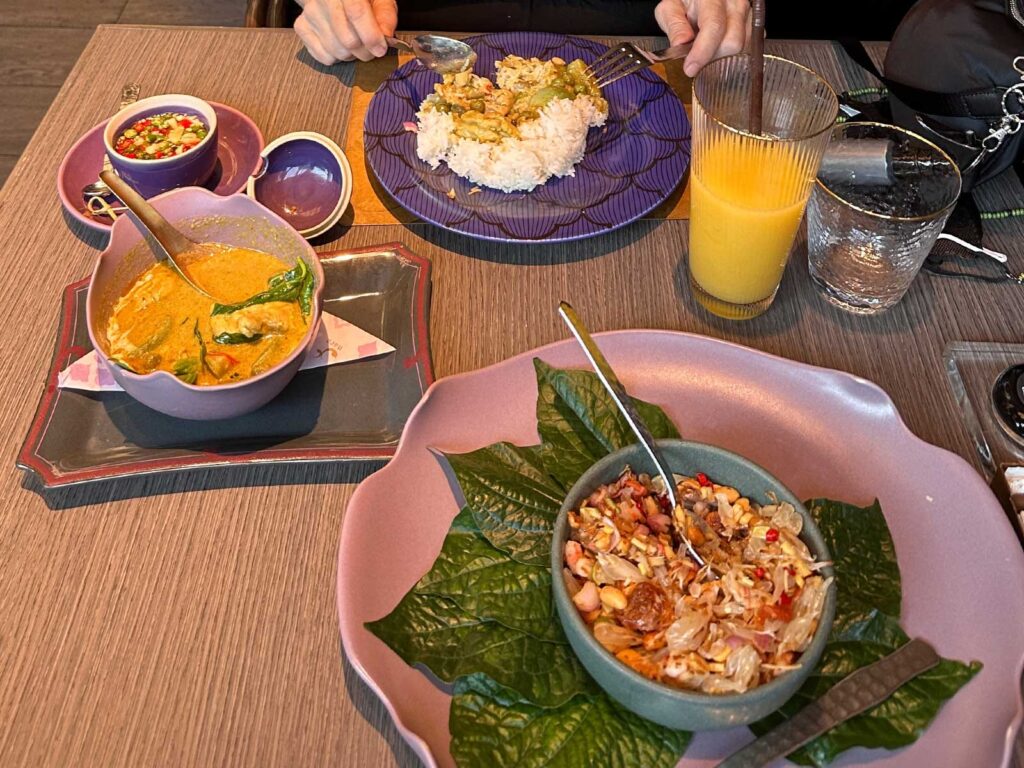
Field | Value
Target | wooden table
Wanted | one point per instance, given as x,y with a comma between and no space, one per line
189,620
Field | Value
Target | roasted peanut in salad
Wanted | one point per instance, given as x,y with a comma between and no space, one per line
626,568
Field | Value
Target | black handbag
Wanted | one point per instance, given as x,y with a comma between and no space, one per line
954,73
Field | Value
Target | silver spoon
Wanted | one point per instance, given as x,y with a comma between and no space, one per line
444,55
626,408
129,95
165,241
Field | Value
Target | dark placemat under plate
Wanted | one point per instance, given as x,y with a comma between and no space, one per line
349,411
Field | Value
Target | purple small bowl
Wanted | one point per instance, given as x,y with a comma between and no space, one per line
305,179
151,177
203,216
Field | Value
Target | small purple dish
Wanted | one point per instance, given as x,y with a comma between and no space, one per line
305,179
152,177
239,143
205,216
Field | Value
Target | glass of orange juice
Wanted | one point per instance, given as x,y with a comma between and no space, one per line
748,192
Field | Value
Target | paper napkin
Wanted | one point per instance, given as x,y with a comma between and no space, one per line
337,341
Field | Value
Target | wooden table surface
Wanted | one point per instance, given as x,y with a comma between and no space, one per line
190,620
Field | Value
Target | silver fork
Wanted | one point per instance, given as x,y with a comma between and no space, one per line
626,59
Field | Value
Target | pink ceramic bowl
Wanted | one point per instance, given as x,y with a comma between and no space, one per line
203,216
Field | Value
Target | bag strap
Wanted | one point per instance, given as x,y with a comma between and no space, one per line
977,103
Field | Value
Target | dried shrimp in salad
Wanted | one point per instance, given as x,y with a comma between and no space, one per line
626,568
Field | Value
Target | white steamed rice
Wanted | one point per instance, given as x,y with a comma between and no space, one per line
548,146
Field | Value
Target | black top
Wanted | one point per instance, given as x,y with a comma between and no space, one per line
799,19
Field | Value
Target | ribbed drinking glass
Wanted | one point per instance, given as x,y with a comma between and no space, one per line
747,192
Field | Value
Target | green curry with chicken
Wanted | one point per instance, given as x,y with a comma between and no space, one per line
483,111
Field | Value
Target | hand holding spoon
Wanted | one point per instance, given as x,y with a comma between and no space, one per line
625,405
166,242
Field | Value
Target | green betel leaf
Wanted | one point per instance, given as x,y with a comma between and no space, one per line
512,498
867,575
579,422
464,523
487,583
586,731
435,632
896,722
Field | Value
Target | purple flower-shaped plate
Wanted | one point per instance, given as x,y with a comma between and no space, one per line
631,164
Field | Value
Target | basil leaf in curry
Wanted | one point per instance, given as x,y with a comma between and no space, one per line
236,338
489,729
202,348
187,370
122,364
287,286
306,297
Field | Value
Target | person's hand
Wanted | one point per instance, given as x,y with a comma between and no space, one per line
342,30
717,28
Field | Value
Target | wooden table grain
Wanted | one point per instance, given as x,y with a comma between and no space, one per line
190,620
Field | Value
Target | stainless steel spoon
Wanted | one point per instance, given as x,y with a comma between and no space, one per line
444,55
625,404
129,95
166,242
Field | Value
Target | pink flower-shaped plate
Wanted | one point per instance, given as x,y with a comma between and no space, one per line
822,432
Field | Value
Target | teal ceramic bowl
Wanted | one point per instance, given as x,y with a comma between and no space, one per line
668,706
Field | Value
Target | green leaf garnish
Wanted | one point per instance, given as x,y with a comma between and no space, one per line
579,423
286,286
896,722
487,583
488,729
854,536
512,498
435,632
187,369
236,338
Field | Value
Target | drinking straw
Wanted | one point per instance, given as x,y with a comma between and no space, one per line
757,68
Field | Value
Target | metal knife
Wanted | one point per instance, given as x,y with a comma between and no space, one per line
855,693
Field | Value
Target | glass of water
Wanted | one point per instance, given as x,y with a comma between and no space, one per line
881,199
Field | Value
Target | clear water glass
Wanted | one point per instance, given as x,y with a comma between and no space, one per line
867,236
748,192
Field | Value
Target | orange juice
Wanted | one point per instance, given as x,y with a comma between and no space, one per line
747,198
